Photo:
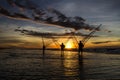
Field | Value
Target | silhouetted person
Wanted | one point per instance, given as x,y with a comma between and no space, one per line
44,49
62,49
80,49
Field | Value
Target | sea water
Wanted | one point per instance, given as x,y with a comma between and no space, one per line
18,64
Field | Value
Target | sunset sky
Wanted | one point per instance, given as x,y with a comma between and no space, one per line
91,12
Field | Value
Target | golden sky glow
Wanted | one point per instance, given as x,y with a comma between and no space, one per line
69,45
36,42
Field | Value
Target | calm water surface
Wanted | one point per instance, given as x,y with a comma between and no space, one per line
30,65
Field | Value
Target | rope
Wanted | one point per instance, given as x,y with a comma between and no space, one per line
90,34
55,41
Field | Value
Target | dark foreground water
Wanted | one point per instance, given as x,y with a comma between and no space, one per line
30,65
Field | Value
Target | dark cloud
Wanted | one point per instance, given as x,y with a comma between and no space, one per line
102,42
46,16
18,15
36,34
50,35
40,34
4,11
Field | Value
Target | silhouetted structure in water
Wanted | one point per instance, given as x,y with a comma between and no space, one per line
62,49
80,47
43,49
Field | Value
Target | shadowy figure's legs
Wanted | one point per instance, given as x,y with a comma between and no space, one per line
81,68
62,53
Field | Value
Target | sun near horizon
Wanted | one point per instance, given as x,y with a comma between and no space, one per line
69,45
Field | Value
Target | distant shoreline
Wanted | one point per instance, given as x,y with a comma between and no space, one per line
93,50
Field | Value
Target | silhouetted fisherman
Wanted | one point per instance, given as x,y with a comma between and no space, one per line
44,49
81,45
62,49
